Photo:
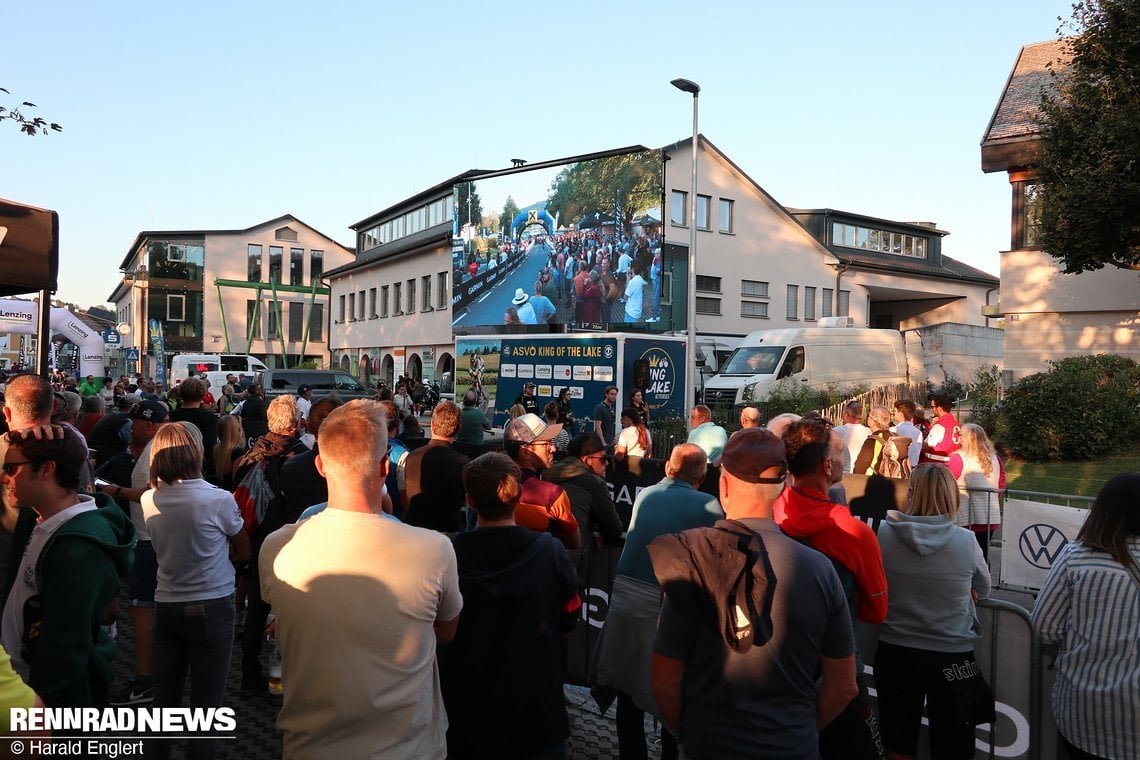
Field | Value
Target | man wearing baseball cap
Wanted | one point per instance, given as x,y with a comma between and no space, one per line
543,506
750,620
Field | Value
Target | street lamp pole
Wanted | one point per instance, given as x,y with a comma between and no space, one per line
687,85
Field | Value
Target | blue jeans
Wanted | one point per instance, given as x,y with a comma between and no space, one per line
197,637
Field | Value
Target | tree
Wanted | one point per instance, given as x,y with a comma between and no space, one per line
623,186
474,213
510,211
29,125
1089,163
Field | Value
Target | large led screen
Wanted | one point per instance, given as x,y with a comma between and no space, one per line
576,244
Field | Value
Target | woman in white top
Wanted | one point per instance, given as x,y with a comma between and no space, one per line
980,475
634,438
196,530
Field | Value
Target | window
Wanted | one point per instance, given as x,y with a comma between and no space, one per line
296,266
274,320
372,304
443,294
397,289
809,302
427,293
317,323
296,320
253,319
708,284
340,310
351,307
756,309
667,288
175,308
285,233
316,265
360,303
1026,231
828,294
844,303
899,244
754,288
679,208
704,203
383,300
253,252
724,215
411,296
275,254
708,305
793,302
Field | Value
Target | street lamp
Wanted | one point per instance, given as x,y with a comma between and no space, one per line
687,85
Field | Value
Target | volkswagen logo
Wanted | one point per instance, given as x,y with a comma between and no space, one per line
1041,544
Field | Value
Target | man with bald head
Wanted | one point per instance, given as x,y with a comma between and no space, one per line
750,621
749,417
670,506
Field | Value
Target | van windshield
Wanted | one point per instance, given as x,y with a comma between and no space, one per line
754,360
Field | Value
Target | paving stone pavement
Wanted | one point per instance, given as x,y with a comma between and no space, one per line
592,736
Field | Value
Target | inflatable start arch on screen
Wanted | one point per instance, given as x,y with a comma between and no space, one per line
22,317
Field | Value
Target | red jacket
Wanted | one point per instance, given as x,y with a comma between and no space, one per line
545,507
833,531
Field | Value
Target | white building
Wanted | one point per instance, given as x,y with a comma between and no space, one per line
257,291
759,266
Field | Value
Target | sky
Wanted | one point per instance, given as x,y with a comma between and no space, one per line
214,115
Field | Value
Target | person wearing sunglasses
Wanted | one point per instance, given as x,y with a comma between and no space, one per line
73,551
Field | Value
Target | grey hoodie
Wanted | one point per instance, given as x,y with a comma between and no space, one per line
931,566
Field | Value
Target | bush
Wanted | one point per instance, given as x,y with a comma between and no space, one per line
1083,407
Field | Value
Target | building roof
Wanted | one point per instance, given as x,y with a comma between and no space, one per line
1014,121
947,268
432,235
284,218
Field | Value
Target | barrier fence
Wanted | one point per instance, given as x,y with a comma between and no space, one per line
1011,657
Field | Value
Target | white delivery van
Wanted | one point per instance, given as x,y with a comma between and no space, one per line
840,357
183,365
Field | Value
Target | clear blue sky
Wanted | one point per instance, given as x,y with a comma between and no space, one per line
223,115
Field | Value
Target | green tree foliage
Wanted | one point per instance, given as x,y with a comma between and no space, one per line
510,211
1083,407
1090,142
474,214
632,181
29,125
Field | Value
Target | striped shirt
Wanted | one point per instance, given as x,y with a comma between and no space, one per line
1091,607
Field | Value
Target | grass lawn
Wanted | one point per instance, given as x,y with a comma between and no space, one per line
1074,478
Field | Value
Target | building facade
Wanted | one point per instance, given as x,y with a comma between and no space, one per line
258,291
1048,314
759,266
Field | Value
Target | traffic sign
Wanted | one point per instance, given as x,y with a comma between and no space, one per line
132,355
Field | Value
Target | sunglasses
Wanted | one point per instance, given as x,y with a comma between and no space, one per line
11,468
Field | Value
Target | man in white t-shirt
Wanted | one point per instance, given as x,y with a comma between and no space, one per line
304,400
852,432
362,602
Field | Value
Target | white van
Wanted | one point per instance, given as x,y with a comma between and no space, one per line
183,365
841,357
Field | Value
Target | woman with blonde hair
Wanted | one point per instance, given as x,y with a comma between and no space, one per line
634,439
195,529
980,476
935,573
230,447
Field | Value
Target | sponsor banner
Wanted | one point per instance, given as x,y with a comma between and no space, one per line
158,346
1033,535
658,369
